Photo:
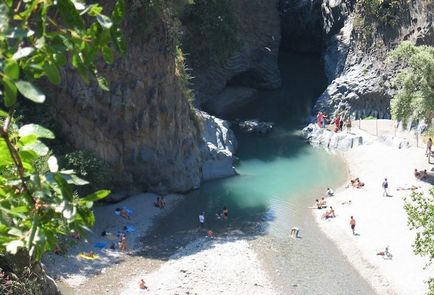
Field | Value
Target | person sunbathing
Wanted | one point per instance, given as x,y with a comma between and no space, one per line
124,213
357,183
142,285
329,213
322,203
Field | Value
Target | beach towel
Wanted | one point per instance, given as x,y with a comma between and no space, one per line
129,228
89,256
110,236
100,245
118,211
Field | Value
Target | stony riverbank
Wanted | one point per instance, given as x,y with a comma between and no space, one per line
381,221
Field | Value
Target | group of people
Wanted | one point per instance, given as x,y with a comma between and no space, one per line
337,121
160,203
356,183
223,214
321,204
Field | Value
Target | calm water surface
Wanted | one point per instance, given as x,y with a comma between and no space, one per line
279,177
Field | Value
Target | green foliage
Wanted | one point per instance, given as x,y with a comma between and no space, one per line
26,284
372,14
37,39
420,211
182,72
88,166
415,83
211,35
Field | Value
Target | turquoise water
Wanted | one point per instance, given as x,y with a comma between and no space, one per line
280,175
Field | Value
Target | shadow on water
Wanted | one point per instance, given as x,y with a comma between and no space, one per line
271,167
182,226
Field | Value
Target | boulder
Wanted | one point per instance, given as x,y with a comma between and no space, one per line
256,126
217,147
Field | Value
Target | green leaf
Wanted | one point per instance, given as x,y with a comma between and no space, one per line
107,54
38,147
94,10
17,33
12,247
28,158
5,156
15,231
69,14
12,70
74,179
78,5
102,83
52,73
60,59
118,11
36,130
21,209
30,91
23,52
3,114
10,92
52,164
64,187
101,194
3,228
104,21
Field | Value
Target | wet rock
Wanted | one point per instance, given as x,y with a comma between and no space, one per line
218,147
256,126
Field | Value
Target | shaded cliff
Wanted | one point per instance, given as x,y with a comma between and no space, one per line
252,62
143,127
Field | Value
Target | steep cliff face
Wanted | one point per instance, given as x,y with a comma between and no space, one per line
143,127
252,65
356,58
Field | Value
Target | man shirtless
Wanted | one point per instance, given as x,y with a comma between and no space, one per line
353,225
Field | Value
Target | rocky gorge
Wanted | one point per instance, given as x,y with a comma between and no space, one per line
150,134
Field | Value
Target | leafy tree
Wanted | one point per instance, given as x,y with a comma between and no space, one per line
420,211
415,83
37,39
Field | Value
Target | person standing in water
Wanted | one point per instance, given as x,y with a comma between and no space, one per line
353,225
225,213
201,219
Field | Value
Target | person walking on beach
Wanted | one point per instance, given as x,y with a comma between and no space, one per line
428,148
385,185
353,225
201,219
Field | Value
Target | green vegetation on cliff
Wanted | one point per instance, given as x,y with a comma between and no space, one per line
211,32
414,99
420,210
37,39
371,15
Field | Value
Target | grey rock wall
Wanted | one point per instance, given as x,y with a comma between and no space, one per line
358,73
254,64
143,127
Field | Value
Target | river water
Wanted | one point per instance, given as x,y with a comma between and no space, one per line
280,175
